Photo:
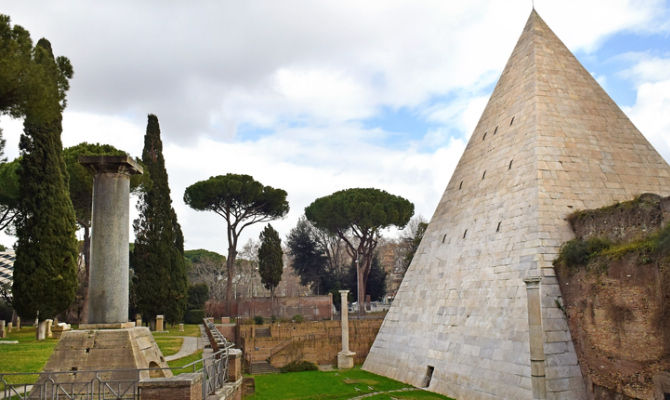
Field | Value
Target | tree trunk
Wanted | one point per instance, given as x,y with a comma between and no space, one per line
360,273
230,263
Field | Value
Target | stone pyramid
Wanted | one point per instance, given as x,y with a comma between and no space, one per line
549,142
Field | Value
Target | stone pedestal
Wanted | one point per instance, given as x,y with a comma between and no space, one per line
181,327
138,319
108,277
159,323
120,352
345,358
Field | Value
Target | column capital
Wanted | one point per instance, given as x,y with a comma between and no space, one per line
114,164
532,281
343,292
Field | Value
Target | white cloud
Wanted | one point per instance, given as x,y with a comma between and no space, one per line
206,68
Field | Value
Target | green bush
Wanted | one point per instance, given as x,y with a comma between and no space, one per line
578,252
298,318
258,320
194,316
299,366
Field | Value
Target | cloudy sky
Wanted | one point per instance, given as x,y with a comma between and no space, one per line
318,96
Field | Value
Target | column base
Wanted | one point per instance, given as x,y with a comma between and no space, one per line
345,360
117,325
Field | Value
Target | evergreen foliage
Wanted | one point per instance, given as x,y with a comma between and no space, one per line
376,285
9,192
158,255
357,216
241,201
198,295
309,260
270,263
45,279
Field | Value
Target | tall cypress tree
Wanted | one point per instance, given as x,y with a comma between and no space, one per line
45,278
158,256
270,262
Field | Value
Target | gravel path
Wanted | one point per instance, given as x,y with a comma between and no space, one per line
188,347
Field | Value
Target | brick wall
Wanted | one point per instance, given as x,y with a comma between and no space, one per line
312,308
317,342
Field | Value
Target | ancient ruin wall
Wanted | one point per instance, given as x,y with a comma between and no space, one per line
618,304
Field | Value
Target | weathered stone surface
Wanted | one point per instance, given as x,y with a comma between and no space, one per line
80,350
551,142
108,278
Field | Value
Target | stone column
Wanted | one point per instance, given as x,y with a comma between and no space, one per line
18,323
138,319
536,333
345,358
159,323
9,327
3,332
108,276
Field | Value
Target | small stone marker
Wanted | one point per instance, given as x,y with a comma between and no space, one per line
181,327
159,323
3,332
9,327
48,328
41,330
18,323
138,319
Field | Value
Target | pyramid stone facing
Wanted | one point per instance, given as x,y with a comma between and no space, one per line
549,142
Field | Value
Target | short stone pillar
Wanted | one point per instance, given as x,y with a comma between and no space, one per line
536,334
110,216
9,327
138,319
49,323
3,331
181,327
234,365
159,323
18,323
181,387
345,358
41,330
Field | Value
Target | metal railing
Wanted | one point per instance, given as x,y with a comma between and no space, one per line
99,384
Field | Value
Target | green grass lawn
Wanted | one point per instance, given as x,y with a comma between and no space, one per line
175,364
28,355
168,345
332,385
189,330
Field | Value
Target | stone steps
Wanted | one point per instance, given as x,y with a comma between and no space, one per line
263,367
